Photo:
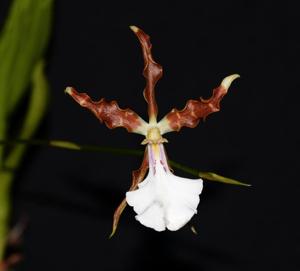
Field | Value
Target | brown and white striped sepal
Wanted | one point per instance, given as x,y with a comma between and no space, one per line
195,110
152,73
110,113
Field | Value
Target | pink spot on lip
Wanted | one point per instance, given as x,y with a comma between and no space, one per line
163,165
152,161
163,160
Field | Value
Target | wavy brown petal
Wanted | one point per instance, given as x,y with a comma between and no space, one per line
110,113
152,72
195,110
137,176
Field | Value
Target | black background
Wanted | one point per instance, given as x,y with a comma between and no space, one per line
70,196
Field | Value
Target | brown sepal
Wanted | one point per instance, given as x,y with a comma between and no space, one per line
10,262
14,241
152,72
195,110
137,176
109,112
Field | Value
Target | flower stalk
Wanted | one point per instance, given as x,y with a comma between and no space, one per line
73,146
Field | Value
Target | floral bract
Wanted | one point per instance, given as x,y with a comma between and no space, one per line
161,200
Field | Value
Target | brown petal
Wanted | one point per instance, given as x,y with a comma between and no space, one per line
110,113
152,73
195,110
137,176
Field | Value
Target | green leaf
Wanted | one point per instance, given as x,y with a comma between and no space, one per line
210,176
22,42
5,183
218,178
36,109
64,144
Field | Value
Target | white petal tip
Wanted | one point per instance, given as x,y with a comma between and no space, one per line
69,90
134,28
228,80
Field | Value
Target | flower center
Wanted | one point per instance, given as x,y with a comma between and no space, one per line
154,137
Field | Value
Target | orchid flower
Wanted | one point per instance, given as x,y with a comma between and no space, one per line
162,200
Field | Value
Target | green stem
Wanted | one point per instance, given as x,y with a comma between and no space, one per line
23,40
5,183
210,176
33,116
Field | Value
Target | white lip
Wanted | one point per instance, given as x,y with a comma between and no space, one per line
164,200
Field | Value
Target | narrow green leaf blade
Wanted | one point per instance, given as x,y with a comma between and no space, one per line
22,41
218,178
5,183
36,109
